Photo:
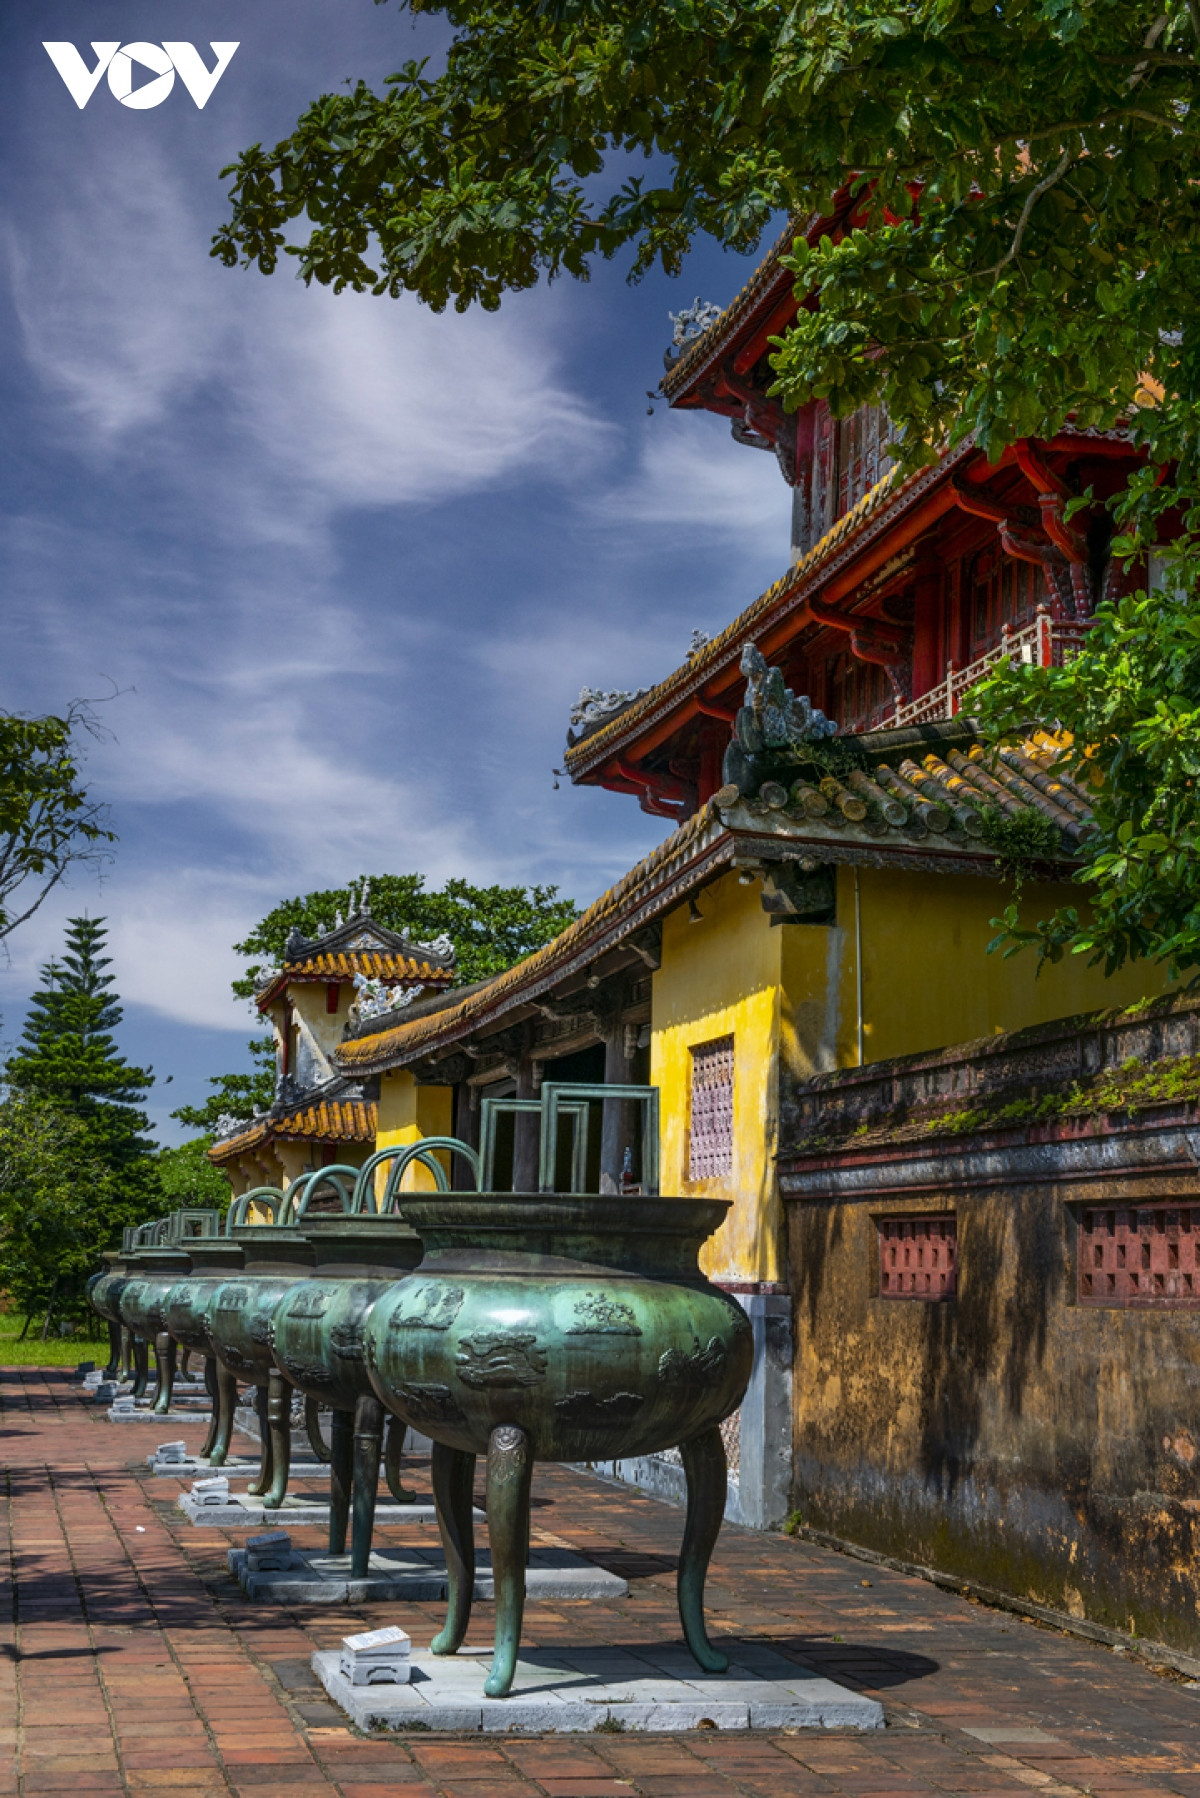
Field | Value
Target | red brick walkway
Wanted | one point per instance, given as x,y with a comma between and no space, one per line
129,1662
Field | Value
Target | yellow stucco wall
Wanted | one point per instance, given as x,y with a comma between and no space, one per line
788,996
928,980
721,977
408,1112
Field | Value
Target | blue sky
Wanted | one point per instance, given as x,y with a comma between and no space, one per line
346,562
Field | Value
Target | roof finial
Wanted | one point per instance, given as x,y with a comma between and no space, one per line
364,898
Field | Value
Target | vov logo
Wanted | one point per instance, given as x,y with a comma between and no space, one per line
158,64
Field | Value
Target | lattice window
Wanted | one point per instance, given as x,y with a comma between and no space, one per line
710,1152
918,1257
1140,1255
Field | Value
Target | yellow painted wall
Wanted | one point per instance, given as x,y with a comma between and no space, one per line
927,978
788,996
408,1112
721,977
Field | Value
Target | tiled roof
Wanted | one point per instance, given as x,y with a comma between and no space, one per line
327,1120
699,668
389,965
920,806
368,962
934,797
366,1054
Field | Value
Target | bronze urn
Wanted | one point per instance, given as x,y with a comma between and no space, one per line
562,1327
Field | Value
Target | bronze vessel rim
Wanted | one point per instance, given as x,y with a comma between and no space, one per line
662,1214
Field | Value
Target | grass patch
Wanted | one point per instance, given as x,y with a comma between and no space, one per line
56,1351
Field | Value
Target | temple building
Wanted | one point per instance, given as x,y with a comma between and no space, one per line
963,1191
319,1115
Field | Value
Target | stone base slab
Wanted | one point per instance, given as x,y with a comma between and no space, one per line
237,1468
418,1575
295,1512
150,1416
577,1691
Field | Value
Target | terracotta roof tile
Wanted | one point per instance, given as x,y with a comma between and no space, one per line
328,1120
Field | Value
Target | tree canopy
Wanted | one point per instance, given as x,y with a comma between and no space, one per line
490,928
47,820
73,1152
1023,180
68,1056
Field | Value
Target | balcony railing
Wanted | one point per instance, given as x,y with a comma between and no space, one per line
1046,643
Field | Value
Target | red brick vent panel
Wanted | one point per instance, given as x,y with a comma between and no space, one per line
1140,1255
918,1257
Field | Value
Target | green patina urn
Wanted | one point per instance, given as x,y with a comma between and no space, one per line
241,1309
584,1322
240,1315
185,1316
563,1327
317,1340
151,1275
317,1327
186,1306
104,1291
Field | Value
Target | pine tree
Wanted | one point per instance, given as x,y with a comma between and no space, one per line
68,1055
76,1085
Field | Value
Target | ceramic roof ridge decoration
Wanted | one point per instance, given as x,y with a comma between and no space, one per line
697,350
336,1111
358,945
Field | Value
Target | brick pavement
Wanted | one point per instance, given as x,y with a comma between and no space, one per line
130,1663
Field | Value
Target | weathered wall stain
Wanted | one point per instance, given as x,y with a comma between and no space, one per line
1010,1435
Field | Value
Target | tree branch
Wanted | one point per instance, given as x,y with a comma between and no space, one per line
1043,186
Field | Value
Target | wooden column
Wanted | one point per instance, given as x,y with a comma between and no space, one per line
526,1138
619,1130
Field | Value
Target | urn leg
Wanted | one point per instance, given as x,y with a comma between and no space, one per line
164,1361
704,1465
113,1366
312,1427
223,1410
509,1471
341,1478
214,1419
453,1474
141,1366
266,1468
368,1434
393,1448
279,1427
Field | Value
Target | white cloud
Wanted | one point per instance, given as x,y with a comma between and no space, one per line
692,477
331,400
